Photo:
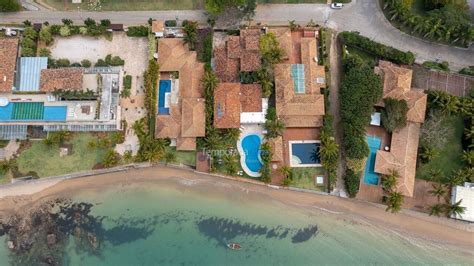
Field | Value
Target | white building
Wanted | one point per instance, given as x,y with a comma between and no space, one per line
465,194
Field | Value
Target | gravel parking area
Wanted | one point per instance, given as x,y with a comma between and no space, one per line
76,48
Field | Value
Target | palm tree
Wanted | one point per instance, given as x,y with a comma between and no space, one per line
293,26
395,202
274,128
230,164
435,174
210,81
436,209
170,157
213,140
428,154
286,171
455,209
438,191
390,181
111,159
469,133
8,165
456,178
329,150
468,157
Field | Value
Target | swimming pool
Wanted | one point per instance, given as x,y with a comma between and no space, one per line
370,177
250,154
32,111
164,88
304,153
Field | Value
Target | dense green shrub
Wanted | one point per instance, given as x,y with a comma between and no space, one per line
352,183
273,125
467,71
359,91
190,33
101,63
266,155
248,77
386,52
443,66
62,62
114,61
10,5
45,35
170,23
28,42
127,86
138,31
86,63
394,114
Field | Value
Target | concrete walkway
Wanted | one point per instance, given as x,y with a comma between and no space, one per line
364,16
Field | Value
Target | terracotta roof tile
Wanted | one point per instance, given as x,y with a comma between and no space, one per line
8,56
67,79
157,26
186,120
276,145
227,105
251,97
283,36
250,61
233,47
402,157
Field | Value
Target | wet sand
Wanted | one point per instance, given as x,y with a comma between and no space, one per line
409,223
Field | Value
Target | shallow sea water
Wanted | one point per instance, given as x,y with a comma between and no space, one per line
164,223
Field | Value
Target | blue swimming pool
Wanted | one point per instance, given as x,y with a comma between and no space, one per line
55,113
305,153
370,177
251,151
165,87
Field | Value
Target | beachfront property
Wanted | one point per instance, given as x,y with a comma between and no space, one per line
397,151
299,102
238,105
464,194
181,107
35,99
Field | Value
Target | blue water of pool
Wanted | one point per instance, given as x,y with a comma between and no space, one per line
165,86
251,147
55,113
307,153
370,177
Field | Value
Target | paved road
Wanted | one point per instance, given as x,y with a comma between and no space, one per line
364,16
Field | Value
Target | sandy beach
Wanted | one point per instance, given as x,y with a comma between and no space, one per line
410,223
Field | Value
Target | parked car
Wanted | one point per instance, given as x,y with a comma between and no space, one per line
336,5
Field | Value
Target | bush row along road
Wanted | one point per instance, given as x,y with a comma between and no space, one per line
364,16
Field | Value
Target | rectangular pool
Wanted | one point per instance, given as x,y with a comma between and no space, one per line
370,177
164,88
304,153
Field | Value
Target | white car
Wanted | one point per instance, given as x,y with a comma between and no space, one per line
336,5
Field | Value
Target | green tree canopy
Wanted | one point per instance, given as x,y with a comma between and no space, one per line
9,5
394,115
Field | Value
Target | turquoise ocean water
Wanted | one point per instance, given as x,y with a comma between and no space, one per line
163,223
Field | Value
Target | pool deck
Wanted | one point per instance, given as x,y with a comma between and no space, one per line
368,192
245,131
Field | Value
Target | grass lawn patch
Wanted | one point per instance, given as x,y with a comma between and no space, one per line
369,58
4,179
449,159
303,177
45,161
3,143
184,157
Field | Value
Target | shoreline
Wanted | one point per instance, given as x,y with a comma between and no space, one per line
407,223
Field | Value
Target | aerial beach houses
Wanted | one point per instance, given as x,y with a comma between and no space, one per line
299,99
239,105
398,150
35,99
181,116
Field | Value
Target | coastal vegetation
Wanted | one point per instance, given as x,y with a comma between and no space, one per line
42,158
10,5
360,89
273,125
446,21
329,150
266,155
304,177
271,54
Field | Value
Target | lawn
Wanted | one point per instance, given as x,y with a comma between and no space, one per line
370,59
303,177
45,161
449,159
184,157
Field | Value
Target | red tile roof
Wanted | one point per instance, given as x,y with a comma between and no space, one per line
227,105
66,79
251,97
8,56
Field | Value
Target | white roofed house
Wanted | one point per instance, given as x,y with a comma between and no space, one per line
464,195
